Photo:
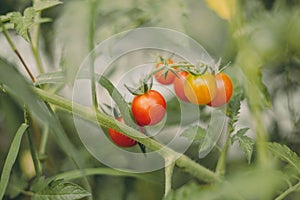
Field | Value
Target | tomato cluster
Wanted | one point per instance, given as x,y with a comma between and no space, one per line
213,89
149,106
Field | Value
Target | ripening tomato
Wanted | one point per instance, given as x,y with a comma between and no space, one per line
119,138
179,84
200,89
148,108
224,90
160,76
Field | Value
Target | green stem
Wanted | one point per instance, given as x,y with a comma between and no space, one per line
13,47
262,152
169,168
75,174
43,145
35,39
221,165
288,191
35,159
93,7
183,162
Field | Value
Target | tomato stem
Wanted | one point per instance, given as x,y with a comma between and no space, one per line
182,161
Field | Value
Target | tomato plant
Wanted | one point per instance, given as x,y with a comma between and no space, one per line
200,89
179,85
224,90
44,154
148,108
162,76
119,138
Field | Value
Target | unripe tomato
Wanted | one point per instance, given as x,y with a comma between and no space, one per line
119,138
224,90
200,89
179,85
148,108
160,76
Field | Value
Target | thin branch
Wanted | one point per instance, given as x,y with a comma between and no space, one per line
87,113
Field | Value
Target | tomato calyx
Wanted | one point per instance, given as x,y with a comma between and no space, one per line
145,85
164,71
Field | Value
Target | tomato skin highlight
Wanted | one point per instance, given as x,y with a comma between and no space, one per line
179,85
119,138
149,108
200,89
224,90
160,77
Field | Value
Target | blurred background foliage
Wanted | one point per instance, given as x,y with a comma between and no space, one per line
261,39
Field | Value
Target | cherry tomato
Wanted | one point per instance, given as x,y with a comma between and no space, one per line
179,84
224,90
120,139
200,89
148,108
160,76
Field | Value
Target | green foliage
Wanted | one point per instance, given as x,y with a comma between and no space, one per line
285,154
260,38
233,110
49,189
246,143
23,23
11,158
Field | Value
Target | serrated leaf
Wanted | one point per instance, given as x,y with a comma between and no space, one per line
60,190
11,158
246,143
233,108
43,5
285,154
194,133
23,23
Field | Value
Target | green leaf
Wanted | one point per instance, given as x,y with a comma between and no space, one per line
11,158
23,23
233,109
43,5
59,77
5,18
194,133
246,184
119,100
23,94
246,143
59,190
76,174
285,154
7,26
52,77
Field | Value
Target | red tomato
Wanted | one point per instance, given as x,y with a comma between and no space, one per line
224,90
120,139
200,89
179,84
160,76
148,108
